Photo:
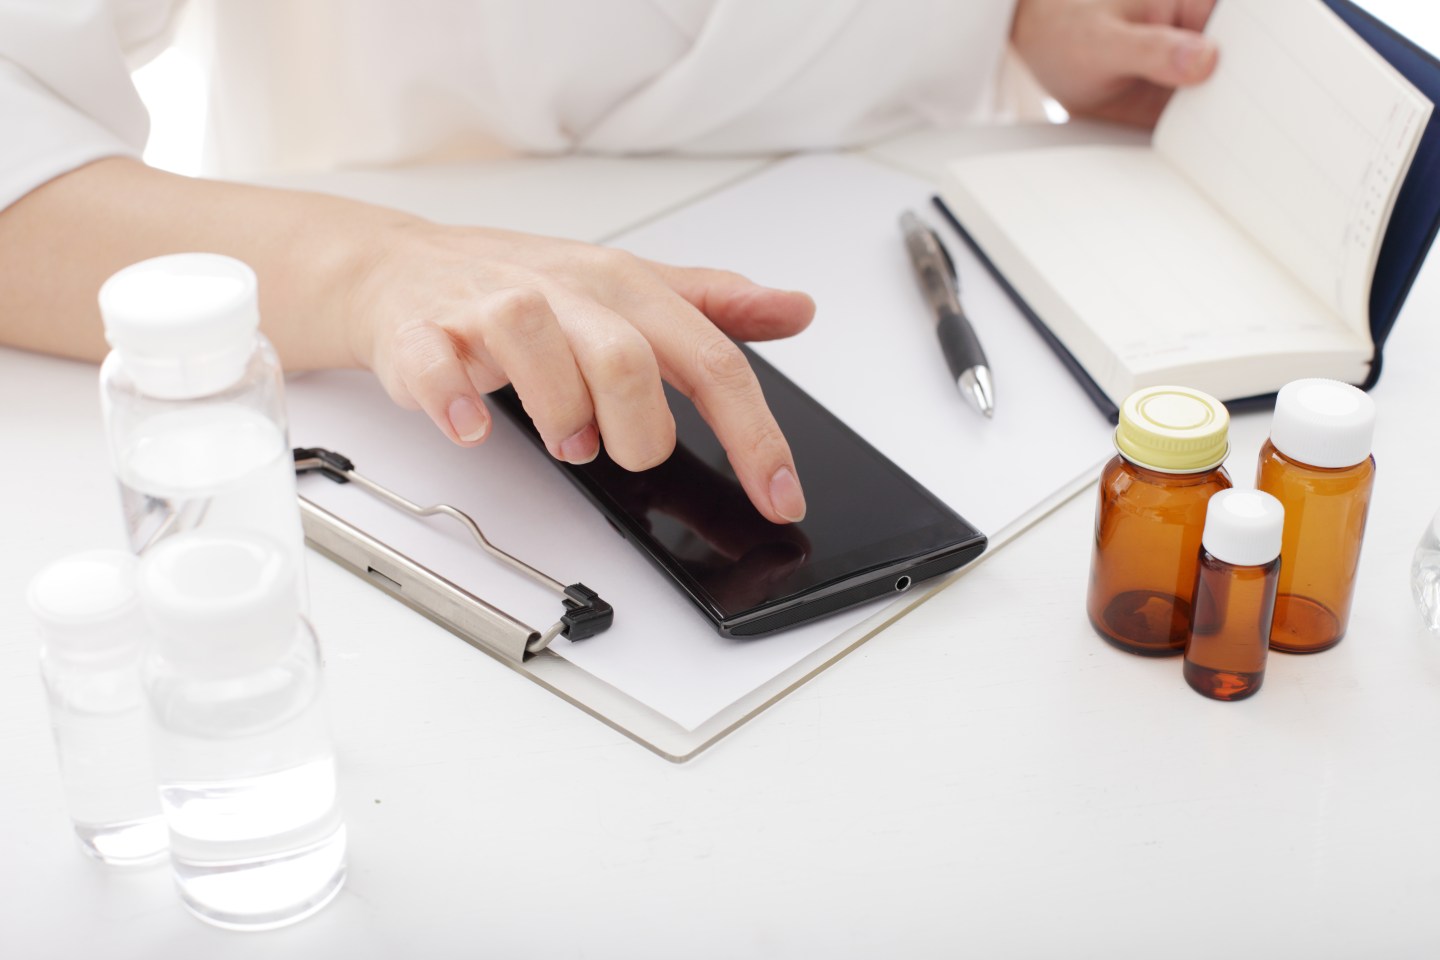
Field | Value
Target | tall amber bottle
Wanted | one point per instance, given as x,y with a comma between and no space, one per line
1234,594
1172,442
1317,463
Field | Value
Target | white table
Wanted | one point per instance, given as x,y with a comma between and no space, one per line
985,778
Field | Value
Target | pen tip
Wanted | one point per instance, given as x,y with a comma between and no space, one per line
976,385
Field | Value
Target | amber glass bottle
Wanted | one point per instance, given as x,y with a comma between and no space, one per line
1151,513
1234,594
1317,463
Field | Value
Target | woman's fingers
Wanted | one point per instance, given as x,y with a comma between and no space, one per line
586,334
743,309
623,378
511,336
1163,55
521,334
1193,14
597,377
600,379
433,377
1115,59
680,314
711,370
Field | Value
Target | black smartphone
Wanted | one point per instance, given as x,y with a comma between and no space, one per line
870,530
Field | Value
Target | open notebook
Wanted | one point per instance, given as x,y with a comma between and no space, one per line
826,224
1242,247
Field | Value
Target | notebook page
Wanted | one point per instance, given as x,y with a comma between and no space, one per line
1141,277
1302,136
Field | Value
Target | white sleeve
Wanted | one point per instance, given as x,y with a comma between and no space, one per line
65,92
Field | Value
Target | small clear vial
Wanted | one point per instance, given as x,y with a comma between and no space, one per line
1425,575
1317,463
1172,442
92,637
1235,594
242,752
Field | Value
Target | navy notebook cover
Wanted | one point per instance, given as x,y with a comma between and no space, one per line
1408,237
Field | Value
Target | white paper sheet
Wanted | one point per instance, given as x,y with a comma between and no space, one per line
826,224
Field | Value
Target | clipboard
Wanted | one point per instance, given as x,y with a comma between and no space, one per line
527,650
507,638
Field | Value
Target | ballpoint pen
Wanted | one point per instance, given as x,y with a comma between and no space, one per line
940,284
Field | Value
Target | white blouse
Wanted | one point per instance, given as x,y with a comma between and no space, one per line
319,84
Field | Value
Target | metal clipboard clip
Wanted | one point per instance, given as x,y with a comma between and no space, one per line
479,623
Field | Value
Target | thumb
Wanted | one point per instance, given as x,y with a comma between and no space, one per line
1167,56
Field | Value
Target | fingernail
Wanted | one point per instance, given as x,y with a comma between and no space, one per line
1192,56
467,419
785,495
582,447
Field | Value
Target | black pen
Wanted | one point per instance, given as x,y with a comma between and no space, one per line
940,284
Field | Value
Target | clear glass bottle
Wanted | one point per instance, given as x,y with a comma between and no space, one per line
1425,574
1317,463
92,636
1234,594
194,404
242,751
1172,442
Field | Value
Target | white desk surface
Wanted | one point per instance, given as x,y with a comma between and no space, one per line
985,778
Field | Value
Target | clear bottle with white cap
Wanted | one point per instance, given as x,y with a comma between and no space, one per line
92,637
1317,463
194,402
1234,594
242,751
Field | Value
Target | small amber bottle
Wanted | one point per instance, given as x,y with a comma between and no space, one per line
1234,594
1317,463
1151,513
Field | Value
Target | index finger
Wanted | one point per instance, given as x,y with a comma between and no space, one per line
706,366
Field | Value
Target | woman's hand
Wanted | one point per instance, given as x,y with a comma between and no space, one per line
444,315
1115,59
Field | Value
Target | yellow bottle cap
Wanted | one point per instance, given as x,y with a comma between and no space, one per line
1173,430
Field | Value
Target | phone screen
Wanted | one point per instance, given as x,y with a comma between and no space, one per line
869,528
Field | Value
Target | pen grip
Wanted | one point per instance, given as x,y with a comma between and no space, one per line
958,342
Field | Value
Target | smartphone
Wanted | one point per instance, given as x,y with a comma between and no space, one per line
870,530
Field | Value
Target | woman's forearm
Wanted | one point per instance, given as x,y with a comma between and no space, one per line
60,242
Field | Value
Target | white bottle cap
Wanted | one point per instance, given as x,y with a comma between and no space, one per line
1323,423
183,325
87,605
220,603
1243,527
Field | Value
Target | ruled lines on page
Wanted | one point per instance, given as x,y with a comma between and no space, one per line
1302,137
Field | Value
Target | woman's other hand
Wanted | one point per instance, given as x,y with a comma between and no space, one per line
1115,59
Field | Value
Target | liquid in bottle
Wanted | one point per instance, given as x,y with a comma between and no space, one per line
194,405
242,754
92,638
1234,594
1172,442
1317,463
